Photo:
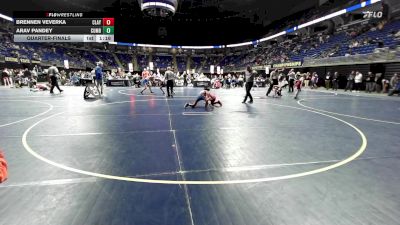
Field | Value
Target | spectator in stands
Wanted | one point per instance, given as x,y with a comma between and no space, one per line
370,82
358,81
321,39
350,81
396,35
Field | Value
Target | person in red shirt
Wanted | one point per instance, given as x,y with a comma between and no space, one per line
298,84
212,99
3,168
202,97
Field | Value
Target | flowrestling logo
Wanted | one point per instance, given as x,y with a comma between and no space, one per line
374,15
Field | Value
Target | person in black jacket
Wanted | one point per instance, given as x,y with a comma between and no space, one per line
370,82
378,83
185,83
350,81
328,79
249,76
335,81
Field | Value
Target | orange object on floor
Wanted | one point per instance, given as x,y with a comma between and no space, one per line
3,168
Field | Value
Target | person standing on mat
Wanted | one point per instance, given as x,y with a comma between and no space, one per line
298,84
275,81
99,77
146,81
53,72
335,81
358,79
350,81
291,76
249,76
212,99
185,83
161,82
170,77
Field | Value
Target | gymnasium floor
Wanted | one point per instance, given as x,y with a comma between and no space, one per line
145,160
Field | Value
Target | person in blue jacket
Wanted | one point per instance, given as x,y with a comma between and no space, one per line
99,77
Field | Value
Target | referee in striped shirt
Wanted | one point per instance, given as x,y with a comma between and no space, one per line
170,77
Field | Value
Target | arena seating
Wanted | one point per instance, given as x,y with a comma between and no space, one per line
143,61
181,63
196,62
125,59
107,58
162,61
360,40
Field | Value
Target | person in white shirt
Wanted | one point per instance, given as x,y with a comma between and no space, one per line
170,78
358,81
6,78
161,82
291,76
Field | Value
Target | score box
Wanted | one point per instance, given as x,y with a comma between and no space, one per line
108,22
108,30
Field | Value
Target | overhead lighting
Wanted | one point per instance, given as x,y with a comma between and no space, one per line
197,47
6,17
240,44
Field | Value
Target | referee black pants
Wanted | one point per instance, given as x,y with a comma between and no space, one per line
54,83
170,87
274,82
249,85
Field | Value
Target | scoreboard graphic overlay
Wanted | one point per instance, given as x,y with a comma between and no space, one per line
63,27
